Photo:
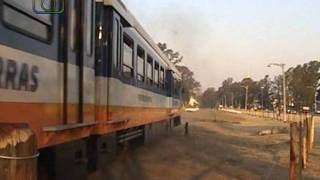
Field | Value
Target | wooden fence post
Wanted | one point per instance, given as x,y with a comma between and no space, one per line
304,144
186,128
311,132
18,152
301,148
307,138
293,152
300,117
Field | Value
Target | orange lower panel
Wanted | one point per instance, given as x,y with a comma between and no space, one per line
129,117
40,115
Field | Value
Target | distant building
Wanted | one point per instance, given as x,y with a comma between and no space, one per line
193,103
192,106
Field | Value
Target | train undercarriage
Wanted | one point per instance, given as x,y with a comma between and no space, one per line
77,159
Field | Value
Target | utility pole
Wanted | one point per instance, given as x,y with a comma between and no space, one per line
262,96
284,88
246,101
225,100
232,99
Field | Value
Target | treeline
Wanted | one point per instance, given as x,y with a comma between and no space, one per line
190,87
302,81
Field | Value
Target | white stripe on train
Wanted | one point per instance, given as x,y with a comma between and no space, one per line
50,87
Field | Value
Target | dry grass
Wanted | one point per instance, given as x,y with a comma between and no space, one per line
220,146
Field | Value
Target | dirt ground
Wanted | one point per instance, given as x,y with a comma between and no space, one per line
220,145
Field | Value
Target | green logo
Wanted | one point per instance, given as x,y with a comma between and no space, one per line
144,98
48,6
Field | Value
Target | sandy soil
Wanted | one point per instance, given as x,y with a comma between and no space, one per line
220,145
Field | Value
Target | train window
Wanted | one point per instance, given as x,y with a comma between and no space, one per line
176,87
149,70
28,6
140,64
161,79
156,73
72,24
116,45
127,56
19,15
318,95
88,25
119,45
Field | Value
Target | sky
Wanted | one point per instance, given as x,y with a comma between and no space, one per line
233,38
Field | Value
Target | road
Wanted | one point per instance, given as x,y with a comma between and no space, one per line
220,145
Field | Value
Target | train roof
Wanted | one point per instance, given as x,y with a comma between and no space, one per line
119,6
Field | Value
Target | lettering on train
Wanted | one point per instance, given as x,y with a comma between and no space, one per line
144,98
18,76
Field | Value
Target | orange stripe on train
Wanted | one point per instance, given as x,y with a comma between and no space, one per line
41,115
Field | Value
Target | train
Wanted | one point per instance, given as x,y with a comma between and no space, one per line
86,78
317,100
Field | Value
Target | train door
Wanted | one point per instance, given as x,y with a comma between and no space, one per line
88,54
78,61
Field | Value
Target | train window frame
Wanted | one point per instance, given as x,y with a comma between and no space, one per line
23,12
72,25
89,19
156,73
149,62
162,77
140,51
175,86
178,87
127,42
120,46
117,43
317,95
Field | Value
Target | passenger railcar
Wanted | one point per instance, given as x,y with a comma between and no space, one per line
84,80
317,100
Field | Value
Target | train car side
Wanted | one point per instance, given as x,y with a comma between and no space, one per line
85,81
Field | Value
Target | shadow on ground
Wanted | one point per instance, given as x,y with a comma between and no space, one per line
212,150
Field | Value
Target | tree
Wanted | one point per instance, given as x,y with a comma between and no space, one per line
190,86
224,92
173,56
253,91
265,86
302,81
275,92
234,94
237,95
208,98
